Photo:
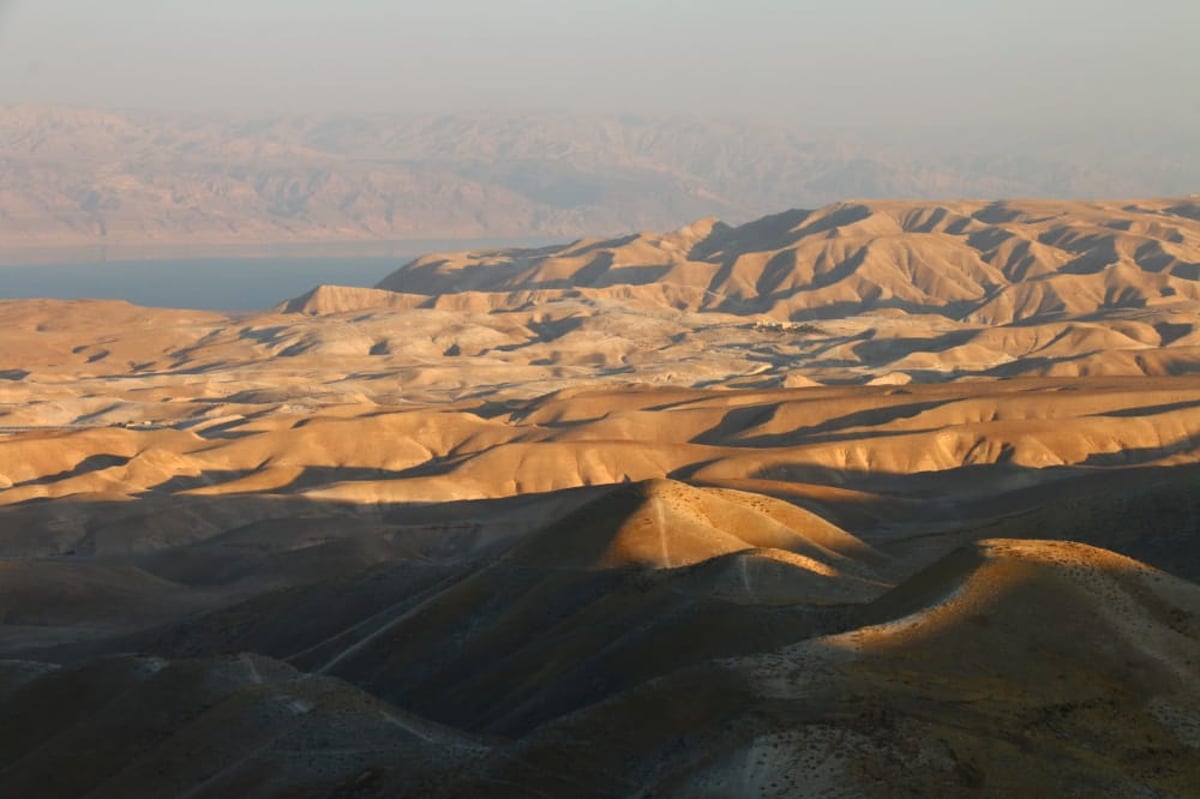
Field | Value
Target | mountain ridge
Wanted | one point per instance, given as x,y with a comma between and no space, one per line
134,183
992,262
884,497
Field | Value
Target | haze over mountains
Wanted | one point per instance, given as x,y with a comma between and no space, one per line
133,184
883,498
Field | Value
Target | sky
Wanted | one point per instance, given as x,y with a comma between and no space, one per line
1058,63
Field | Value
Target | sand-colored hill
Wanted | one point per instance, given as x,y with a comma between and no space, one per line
667,524
994,263
881,498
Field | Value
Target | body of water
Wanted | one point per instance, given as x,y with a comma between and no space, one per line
222,281
226,284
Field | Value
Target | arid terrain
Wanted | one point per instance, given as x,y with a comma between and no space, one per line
79,183
880,499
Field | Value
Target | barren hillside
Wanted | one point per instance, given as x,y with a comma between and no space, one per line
878,498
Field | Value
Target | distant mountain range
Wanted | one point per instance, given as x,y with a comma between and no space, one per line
133,181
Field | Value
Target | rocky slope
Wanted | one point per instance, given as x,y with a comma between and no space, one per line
881,498
991,263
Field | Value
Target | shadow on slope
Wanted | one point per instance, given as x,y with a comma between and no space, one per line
555,619
1009,668
214,727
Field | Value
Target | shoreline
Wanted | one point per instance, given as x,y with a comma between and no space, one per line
50,255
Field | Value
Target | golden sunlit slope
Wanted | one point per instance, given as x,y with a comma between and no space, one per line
994,263
871,292
839,490
273,443
785,569
883,498
665,524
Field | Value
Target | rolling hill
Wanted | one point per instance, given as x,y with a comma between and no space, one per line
884,498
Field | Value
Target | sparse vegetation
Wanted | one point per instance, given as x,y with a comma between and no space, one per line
775,326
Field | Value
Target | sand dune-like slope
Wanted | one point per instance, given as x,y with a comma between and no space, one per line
870,292
995,263
370,453
880,499
663,524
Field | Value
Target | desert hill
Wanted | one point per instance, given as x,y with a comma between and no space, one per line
882,497
854,702
865,292
991,263
245,725
902,706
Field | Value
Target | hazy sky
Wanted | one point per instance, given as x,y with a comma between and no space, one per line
911,63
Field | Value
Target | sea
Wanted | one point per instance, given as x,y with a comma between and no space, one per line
214,283
221,284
